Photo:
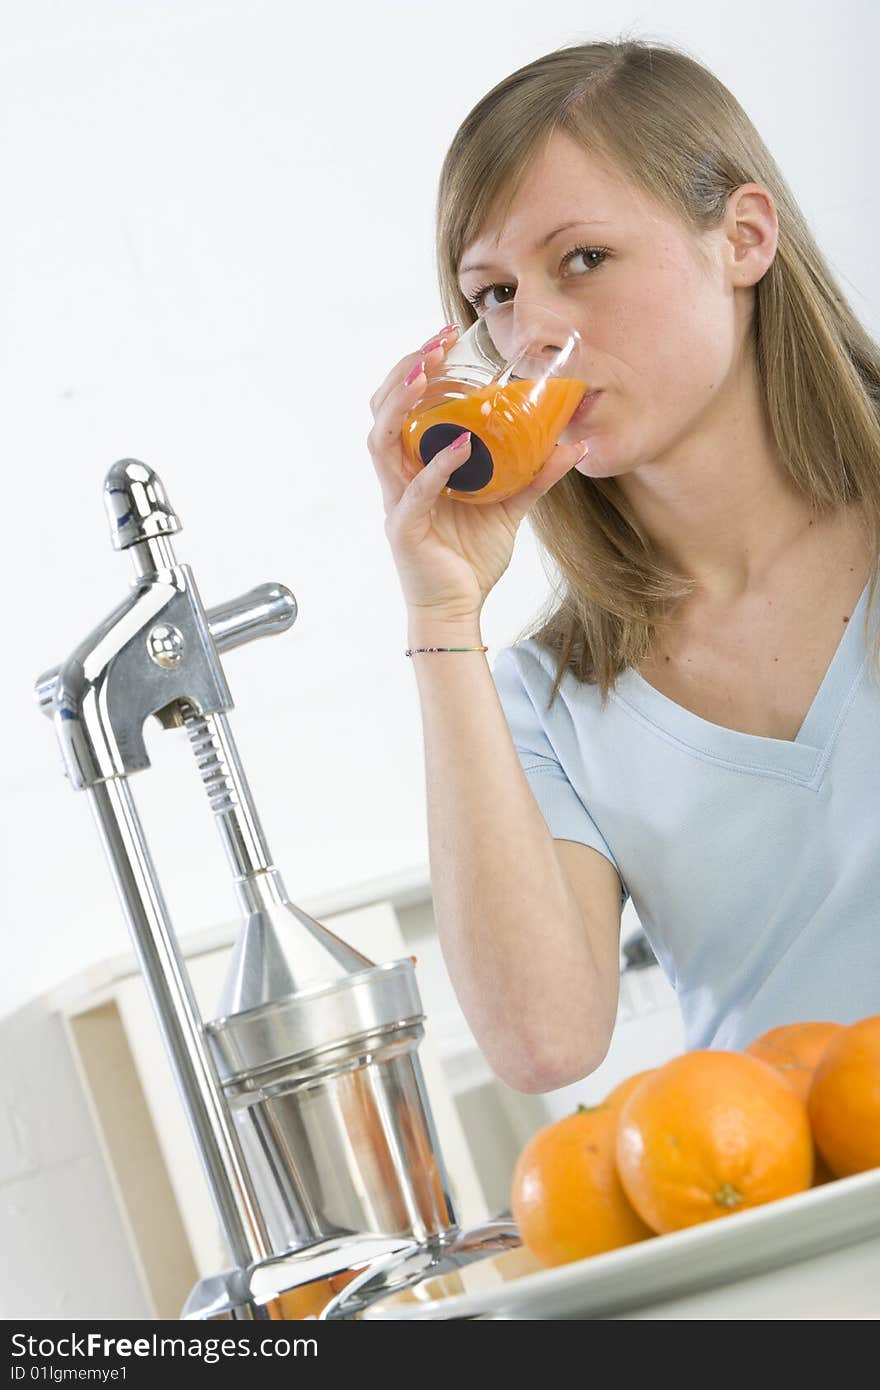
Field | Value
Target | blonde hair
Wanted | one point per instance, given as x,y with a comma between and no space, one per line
655,115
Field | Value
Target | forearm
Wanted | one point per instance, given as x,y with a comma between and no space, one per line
513,936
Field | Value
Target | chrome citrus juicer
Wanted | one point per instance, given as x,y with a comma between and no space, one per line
305,1094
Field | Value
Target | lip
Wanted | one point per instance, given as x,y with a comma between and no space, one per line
587,402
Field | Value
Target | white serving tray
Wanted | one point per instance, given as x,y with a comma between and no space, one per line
836,1215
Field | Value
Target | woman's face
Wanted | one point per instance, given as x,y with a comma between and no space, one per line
663,330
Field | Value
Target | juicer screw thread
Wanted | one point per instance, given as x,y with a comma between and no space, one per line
214,772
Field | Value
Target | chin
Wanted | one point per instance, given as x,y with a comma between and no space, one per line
597,464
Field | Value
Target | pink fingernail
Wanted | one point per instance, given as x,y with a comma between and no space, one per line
435,340
417,371
461,440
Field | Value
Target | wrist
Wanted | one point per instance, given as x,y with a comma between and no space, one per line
425,630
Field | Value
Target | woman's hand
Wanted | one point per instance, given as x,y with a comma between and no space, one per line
449,554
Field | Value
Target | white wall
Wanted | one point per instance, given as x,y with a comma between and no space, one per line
216,240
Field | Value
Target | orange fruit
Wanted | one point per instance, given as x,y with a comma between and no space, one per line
821,1172
844,1099
794,1049
625,1088
308,1301
708,1134
565,1195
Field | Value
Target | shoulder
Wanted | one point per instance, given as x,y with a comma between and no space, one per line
523,656
528,669
528,662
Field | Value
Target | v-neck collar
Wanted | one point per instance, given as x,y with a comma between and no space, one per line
801,759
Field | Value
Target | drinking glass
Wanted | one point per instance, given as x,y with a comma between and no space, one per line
513,380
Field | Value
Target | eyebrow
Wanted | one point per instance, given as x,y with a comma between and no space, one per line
465,269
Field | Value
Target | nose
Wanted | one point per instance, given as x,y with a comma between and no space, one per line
539,327
534,338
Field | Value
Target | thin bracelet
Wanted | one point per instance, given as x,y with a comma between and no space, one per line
409,651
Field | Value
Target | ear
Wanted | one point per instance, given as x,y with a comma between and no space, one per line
751,228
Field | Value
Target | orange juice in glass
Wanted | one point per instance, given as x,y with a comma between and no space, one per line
511,380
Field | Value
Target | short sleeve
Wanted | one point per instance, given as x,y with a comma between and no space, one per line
564,812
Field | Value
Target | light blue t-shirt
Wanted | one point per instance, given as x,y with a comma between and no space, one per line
753,863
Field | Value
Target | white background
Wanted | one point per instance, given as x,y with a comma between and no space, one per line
216,239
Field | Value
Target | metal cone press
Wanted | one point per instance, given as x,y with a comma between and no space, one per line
304,1094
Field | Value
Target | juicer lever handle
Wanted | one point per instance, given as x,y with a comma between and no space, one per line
261,612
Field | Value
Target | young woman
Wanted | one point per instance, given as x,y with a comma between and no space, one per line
696,722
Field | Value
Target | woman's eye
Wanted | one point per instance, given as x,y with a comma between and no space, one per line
588,252
593,256
478,299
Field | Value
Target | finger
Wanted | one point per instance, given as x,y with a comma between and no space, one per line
564,458
384,440
422,493
430,355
